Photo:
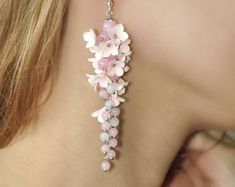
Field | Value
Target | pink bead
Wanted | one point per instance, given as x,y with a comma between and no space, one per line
106,115
103,94
114,78
108,24
103,63
105,126
112,58
105,148
115,111
103,36
111,154
113,142
105,165
113,132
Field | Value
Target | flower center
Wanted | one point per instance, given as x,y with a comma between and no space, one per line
114,65
109,45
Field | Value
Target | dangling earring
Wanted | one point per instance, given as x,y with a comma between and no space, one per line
112,53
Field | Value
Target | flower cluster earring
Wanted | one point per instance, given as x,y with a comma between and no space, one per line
112,53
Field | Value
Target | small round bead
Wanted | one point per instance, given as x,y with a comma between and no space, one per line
109,104
105,148
105,165
108,24
111,154
113,142
114,121
114,78
111,89
106,115
103,94
103,36
104,136
113,132
115,111
103,63
105,126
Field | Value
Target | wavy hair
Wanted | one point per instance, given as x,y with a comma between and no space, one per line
30,34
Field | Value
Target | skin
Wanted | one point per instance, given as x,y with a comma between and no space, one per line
181,75
207,161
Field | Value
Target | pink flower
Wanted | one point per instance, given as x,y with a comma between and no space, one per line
101,79
105,49
98,114
117,99
124,47
103,36
120,84
116,68
117,34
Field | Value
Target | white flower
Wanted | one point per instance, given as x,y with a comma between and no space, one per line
117,99
106,49
94,49
120,84
101,79
117,86
116,68
122,91
124,47
94,62
126,68
98,114
128,59
90,38
117,34
125,57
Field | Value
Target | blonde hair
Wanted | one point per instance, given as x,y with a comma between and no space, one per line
30,34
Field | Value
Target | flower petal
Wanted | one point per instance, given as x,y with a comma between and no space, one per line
119,86
121,64
115,100
89,36
92,80
122,91
100,119
97,112
119,72
98,71
94,49
111,71
128,59
92,59
124,47
94,62
121,99
114,50
126,68
119,28
103,83
124,36
111,32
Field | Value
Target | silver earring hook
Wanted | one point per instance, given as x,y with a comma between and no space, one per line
109,11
